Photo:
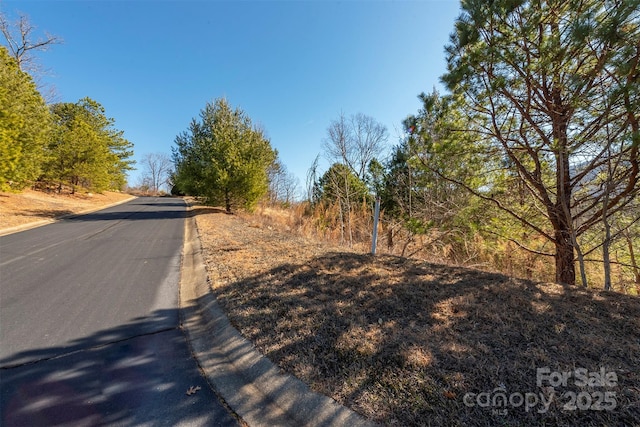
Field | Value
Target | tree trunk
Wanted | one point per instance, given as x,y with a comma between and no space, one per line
227,200
634,262
563,224
347,200
341,216
565,264
607,239
583,271
605,254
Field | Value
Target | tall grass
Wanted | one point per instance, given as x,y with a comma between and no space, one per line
451,247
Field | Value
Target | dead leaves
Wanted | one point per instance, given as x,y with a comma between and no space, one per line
193,390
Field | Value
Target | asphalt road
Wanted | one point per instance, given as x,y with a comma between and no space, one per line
89,323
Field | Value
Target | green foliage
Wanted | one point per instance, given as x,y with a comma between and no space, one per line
223,158
375,176
24,126
340,182
552,91
425,175
85,149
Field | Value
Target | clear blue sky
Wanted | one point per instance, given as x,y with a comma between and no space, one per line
292,66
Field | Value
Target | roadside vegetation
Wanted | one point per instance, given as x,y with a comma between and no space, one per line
52,146
529,165
510,211
405,342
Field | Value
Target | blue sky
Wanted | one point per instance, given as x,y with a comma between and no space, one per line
292,66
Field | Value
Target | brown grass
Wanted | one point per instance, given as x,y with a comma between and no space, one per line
402,341
449,246
31,206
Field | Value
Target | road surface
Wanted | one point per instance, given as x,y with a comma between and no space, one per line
89,323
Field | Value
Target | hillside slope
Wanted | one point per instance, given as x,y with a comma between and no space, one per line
405,342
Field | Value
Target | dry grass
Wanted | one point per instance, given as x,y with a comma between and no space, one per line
31,206
402,341
448,246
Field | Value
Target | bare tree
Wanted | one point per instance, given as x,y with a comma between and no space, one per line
156,170
283,185
312,178
20,41
369,138
339,142
353,143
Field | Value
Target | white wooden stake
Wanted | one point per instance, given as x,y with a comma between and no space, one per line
376,216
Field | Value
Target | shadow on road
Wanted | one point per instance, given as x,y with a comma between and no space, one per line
46,213
140,215
134,374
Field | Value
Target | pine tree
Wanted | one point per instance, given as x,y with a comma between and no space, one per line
85,149
223,158
553,89
24,126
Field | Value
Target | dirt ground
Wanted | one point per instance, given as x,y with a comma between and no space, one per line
31,206
408,343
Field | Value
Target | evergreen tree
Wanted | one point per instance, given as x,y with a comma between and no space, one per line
415,192
552,88
85,149
340,183
223,158
24,126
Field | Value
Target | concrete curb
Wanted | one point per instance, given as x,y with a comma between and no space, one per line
40,223
249,383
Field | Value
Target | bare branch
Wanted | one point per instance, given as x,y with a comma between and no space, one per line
157,169
22,42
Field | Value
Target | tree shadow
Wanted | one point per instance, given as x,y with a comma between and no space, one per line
46,213
204,210
165,212
404,341
167,209
134,374
128,215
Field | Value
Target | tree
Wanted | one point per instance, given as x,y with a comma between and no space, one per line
20,42
24,126
121,150
283,185
340,185
331,185
355,142
156,170
351,145
552,89
223,158
86,150
420,202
